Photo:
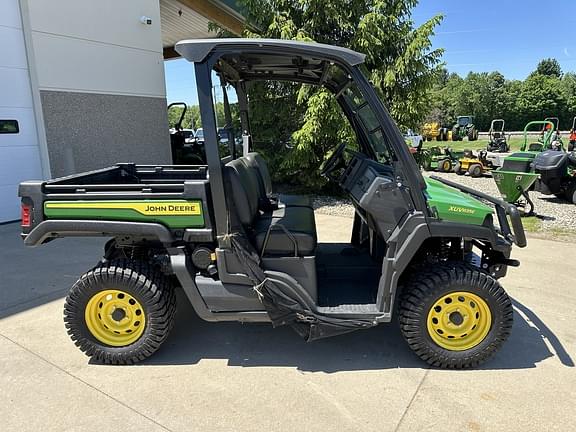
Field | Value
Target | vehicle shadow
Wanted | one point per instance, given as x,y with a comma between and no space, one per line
260,345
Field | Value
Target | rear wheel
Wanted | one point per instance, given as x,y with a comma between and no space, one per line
455,134
445,165
471,133
475,170
454,315
120,312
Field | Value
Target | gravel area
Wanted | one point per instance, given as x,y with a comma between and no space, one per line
333,206
556,214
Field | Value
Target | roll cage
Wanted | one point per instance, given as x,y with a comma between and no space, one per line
240,61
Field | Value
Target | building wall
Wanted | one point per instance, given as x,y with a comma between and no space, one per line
19,153
101,79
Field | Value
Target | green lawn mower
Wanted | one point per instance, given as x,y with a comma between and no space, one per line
464,127
516,176
439,159
556,140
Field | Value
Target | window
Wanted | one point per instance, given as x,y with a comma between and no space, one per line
9,127
369,123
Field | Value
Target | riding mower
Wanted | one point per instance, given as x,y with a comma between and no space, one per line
475,165
556,140
497,137
439,159
183,152
572,142
464,127
423,251
516,176
557,171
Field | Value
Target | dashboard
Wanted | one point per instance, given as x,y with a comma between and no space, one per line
361,173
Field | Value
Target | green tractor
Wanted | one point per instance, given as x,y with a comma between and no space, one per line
464,127
516,176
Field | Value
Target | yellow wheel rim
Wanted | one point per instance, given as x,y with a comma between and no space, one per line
459,321
115,318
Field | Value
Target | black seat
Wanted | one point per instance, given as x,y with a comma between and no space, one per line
286,231
256,162
291,234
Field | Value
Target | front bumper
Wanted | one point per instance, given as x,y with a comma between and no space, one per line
509,221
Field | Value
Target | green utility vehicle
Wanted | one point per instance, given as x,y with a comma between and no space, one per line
463,128
428,252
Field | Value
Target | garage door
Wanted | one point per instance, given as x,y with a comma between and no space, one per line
19,151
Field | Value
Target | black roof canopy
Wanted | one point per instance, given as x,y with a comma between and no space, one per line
274,59
196,50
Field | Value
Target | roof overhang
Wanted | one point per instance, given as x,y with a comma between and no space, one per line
189,19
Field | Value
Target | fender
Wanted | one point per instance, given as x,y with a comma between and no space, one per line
407,239
51,229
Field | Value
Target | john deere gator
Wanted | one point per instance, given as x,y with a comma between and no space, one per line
426,252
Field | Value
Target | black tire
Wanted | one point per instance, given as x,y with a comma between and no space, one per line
458,168
455,134
570,194
445,165
475,170
428,285
472,134
150,288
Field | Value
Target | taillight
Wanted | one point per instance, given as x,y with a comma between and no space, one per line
26,216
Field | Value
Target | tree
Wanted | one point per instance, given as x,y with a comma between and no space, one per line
399,59
540,97
549,67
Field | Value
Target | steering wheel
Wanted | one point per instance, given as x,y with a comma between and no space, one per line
333,162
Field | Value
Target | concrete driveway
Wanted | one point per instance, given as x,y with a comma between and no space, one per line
232,377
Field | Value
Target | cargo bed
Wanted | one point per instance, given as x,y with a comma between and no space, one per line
116,198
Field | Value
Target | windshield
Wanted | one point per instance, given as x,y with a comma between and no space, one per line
200,133
365,118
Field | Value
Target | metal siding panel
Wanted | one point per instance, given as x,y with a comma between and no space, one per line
10,15
12,43
106,21
76,65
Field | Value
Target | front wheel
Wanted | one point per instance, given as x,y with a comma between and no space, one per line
454,315
120,312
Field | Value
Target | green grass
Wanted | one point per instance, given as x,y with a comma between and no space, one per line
536,228
532,224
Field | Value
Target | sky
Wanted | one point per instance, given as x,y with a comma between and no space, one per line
510,36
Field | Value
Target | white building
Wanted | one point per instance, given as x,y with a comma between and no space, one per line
82,83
